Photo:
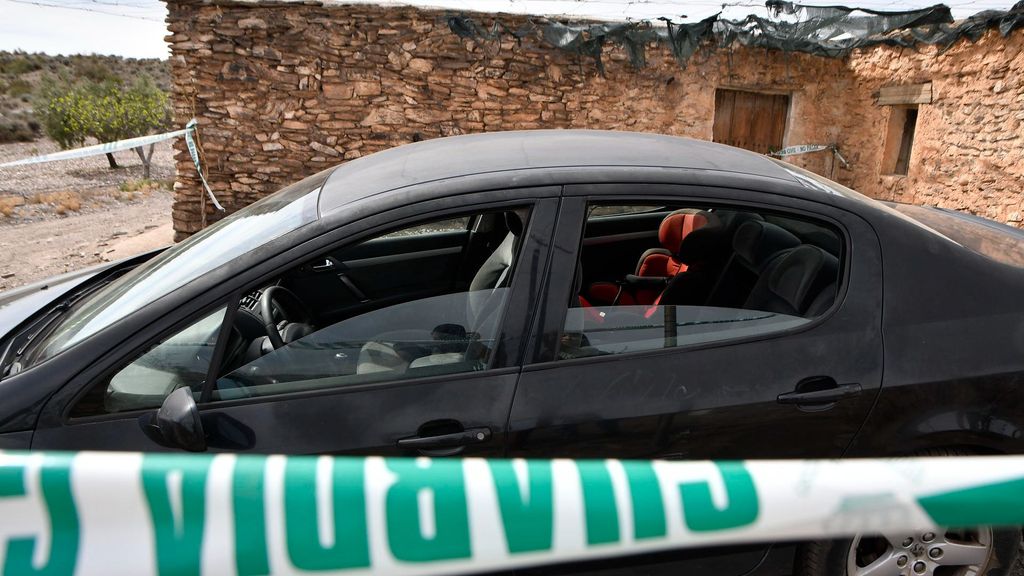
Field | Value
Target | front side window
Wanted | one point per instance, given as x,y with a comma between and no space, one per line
179,361
714,274
422,300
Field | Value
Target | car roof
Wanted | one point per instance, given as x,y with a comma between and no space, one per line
456,156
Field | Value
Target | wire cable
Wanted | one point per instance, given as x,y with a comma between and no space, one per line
85,9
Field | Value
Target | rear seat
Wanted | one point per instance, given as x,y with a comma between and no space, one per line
801,283
706,252
756,245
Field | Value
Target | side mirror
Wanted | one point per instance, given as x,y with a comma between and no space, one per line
177,422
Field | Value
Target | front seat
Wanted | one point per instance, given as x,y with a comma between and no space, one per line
398,350
495,272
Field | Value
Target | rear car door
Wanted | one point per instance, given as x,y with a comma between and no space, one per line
778,387
429,369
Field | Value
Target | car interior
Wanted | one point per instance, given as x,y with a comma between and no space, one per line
710,269
419,301
427,299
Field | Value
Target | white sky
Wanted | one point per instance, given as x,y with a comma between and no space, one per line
135,28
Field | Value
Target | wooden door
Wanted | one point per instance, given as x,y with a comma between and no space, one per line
750,120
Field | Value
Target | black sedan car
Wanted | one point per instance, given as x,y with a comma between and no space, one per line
552,294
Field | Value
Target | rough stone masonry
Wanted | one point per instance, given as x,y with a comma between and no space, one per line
285,89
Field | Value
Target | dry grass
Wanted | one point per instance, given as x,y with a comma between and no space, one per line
62,202
146,186
9,203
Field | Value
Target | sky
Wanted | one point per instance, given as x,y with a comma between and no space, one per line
136,28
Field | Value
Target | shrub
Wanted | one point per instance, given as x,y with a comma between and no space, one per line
19,63
18,126
18,88
107,111
94,69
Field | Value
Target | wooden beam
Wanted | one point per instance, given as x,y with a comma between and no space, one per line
906,94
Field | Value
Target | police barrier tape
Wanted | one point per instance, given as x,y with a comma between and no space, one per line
110,147
808,148
128,513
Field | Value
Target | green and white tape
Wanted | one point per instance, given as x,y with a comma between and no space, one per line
801,149
808,148
126,513
107,148
190,143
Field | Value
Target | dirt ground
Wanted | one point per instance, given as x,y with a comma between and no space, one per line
63,216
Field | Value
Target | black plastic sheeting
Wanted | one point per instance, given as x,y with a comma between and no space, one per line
829,31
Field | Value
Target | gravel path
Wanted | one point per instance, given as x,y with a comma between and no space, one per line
44,238
38,249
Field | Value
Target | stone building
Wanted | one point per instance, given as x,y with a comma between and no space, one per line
284,89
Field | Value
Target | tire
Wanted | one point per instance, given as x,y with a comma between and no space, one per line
853,556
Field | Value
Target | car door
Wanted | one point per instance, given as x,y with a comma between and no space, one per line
745,397
284,406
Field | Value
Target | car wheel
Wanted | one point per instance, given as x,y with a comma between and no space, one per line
976,552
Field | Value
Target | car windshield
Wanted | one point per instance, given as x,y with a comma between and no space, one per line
242,232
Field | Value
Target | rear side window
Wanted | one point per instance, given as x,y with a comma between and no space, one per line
687,275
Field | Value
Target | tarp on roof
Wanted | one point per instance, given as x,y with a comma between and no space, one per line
829,31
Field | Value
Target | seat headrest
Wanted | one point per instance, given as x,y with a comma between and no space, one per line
514,222
678,225
714,239
802,273
756,241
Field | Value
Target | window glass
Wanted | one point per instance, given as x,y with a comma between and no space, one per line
617,330
716,274
407,304
179,361
450,225
623,209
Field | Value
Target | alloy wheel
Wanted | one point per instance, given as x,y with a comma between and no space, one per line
935,553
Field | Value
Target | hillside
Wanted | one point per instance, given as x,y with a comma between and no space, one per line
22,74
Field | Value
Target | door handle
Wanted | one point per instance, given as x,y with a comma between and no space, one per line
825,391
324,266
441,441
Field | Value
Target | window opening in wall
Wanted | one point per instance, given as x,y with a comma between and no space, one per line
900,140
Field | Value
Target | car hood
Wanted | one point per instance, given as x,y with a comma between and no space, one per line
20,304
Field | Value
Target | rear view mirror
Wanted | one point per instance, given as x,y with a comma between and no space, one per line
177,422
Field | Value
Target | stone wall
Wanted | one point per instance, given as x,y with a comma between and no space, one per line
969,148
284,90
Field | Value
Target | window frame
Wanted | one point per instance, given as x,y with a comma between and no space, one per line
331,240
571,229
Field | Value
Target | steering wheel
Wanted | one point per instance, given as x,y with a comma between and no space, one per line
292,312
